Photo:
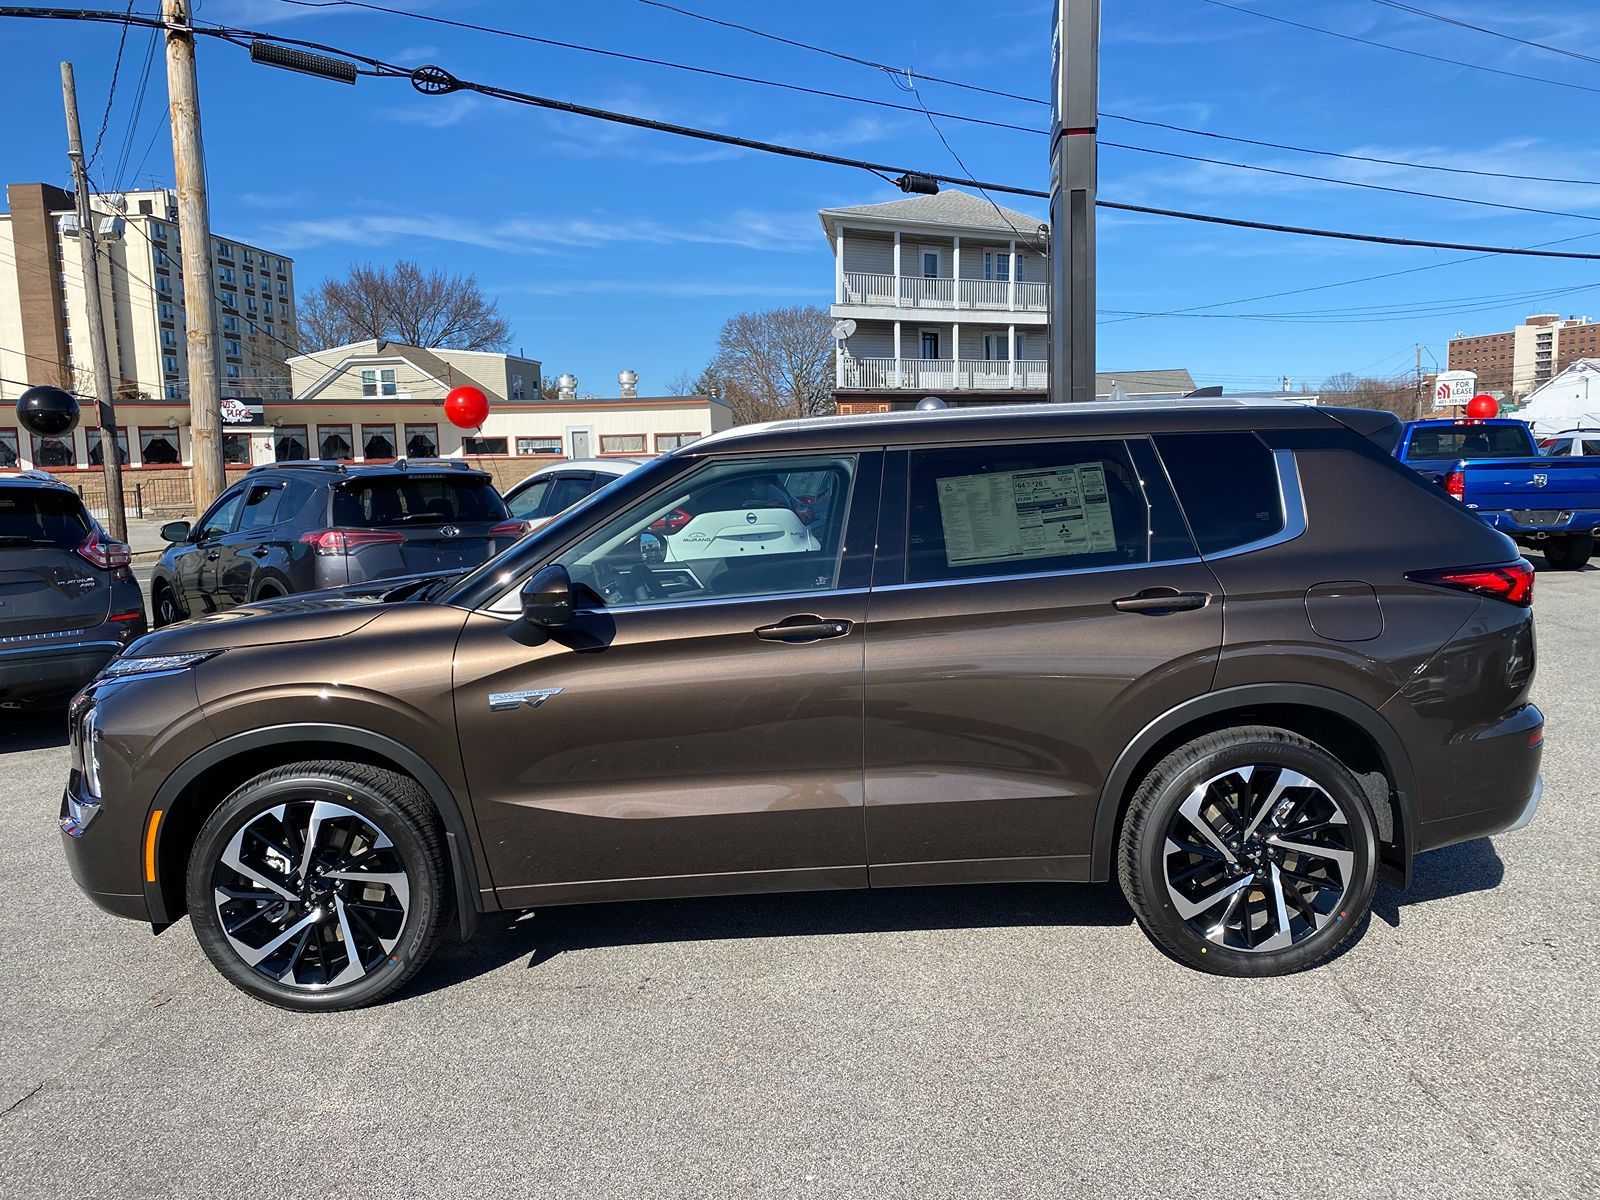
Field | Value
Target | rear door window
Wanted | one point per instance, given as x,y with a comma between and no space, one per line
1022,509
567,491
41,517
260,508
416,500
1228,486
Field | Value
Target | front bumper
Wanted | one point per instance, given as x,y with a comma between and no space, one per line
77,814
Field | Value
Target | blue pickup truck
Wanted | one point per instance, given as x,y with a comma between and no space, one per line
1495,469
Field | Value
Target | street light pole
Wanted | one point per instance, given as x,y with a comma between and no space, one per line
99,352
194,227
1074,104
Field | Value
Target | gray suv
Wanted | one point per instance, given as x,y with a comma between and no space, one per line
1236,657
304,526
68,601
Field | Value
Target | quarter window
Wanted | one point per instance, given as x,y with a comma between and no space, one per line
1227,484
982,511
729,530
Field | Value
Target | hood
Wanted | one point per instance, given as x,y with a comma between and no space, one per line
303,618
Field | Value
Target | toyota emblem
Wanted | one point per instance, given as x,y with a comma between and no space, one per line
449,531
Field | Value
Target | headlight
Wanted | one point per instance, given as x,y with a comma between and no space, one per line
154,664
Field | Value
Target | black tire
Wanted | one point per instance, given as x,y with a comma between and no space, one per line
268,591
372,799
1148,849
1569,553
164,606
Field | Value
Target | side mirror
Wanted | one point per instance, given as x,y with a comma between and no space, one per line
175,531
547,597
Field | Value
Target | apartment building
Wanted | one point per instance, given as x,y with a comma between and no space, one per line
949,296
1519,360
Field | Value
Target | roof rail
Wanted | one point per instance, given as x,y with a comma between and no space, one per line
455,464
36,475
302,464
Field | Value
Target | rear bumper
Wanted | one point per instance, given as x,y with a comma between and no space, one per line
46,672
1566,521
1498,767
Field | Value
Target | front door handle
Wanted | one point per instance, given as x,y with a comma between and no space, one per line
808,628
213,555
258,552
1159,601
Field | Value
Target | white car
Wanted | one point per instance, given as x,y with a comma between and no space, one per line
550,491
1572,443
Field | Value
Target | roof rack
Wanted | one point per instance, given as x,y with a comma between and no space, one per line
302,464
455,464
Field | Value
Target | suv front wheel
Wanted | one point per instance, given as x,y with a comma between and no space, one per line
320,885
1250,851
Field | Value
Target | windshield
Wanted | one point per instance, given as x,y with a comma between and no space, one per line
1470,441
41,517
416,500
488,581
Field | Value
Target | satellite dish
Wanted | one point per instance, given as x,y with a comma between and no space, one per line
843,329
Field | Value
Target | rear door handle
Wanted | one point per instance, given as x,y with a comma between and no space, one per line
806,628
258,552
1159,601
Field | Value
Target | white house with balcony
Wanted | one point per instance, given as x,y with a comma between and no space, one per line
950,297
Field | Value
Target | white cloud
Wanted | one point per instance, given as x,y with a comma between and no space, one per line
437,113
414,55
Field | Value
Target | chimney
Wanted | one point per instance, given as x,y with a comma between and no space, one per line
629,382
567,387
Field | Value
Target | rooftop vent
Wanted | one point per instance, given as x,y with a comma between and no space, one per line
567,387
629,382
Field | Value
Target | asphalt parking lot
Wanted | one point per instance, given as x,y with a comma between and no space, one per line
995,1041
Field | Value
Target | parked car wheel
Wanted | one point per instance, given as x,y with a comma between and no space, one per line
320,886
1251,851
164,608
1569,553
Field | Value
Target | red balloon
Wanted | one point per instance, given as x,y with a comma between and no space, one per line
1482,407
466,407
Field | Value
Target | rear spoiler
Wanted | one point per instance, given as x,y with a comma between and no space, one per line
1380,427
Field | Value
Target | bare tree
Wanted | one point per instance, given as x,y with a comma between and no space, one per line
1398,396
690,383
774,363
402,303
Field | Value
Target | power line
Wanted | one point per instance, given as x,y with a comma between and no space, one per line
111,95
1350,37
1460,24
119,173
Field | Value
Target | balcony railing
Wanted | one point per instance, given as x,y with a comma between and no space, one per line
916,291
945,374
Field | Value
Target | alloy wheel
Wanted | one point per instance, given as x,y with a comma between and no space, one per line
1258,858
311,894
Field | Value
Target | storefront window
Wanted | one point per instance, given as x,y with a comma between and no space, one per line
422,441
289,444
236,449
97,454
8,448
54,452
377,441
159,447
335,442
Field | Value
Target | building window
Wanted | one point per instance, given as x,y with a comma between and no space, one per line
229,299
236,449
159,447
335,441
930,343
997,265
97,454
377,441
169,363
283,289
250,304
539,445
422,441
8,448
164,285
483,445
266,308
225,274
232,348
249,259
233,371
161,258
672,441
622,443
376,382
519,389
169,339
249,280
224,250
52,453
289,443
166,310
173,392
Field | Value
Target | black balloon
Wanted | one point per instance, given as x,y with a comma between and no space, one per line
48,411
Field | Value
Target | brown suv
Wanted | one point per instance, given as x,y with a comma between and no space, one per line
1234,654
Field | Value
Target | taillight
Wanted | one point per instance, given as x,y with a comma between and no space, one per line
672,522
103,552
1455,485
1512,583
332,542
510,529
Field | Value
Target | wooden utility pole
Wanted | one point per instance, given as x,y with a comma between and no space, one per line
99,353
1421,411
1074,100
194,227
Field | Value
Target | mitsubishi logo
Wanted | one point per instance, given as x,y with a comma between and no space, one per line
1540,479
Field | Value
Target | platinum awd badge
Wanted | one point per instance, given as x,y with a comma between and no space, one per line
532,698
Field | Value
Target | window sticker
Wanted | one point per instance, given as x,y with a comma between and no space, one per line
1009,515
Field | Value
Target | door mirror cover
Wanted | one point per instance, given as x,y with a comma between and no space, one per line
547,597
175,531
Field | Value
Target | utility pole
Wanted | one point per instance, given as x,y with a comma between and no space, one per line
194,227
89,246
1420,411
1074,103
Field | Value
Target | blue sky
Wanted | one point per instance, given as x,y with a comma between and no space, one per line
611,248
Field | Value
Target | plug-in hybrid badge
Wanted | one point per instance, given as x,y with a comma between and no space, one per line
532,698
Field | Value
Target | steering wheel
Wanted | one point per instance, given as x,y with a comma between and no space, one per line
643,579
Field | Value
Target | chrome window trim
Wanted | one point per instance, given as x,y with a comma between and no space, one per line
1291,496
1062,572
710,600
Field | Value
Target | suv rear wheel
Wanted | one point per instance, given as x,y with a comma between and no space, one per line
1251,851
164,605
320,885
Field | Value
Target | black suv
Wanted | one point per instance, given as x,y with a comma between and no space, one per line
1236,657
304,526
68,601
